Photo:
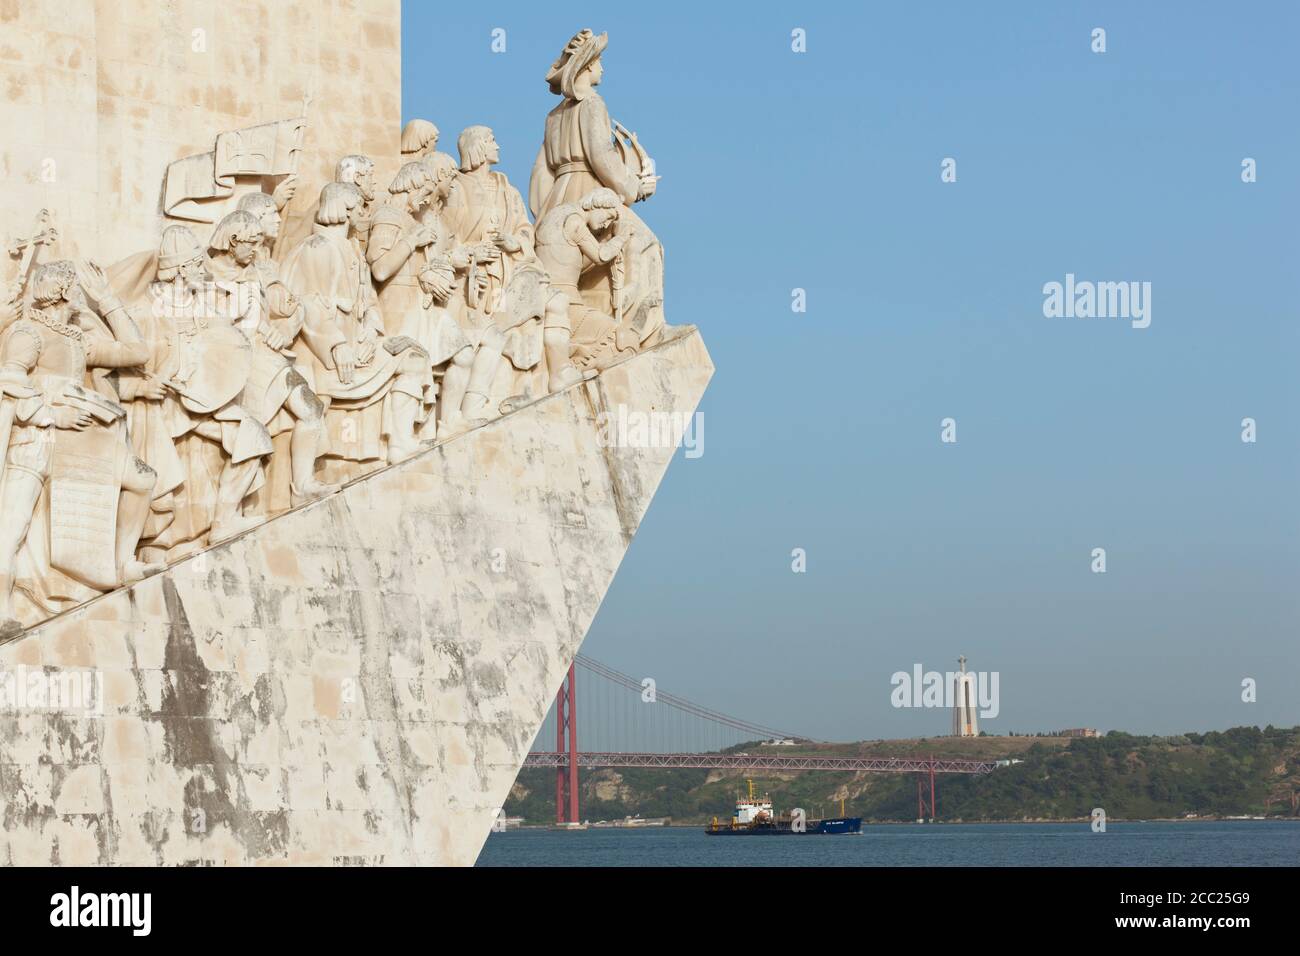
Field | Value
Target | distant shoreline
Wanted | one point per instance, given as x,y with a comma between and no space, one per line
912,823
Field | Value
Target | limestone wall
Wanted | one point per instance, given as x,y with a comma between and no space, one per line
98,96
357,681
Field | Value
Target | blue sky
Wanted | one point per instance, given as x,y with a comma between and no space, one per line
821,171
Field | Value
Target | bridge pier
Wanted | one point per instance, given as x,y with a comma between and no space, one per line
566,718
573,746
920,794
560,711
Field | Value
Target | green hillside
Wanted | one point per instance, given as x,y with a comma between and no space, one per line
1220,773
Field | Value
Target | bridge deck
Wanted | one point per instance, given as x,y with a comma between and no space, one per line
722,761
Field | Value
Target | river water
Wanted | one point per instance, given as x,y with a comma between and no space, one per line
1226,843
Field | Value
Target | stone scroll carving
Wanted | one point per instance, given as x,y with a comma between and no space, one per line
246,365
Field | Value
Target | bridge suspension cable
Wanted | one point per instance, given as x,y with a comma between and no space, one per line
681,703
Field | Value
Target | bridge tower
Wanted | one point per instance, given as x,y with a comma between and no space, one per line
566,719
921,807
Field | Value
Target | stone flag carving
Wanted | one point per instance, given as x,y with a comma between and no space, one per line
196,187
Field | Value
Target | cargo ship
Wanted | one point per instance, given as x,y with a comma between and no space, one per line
755,817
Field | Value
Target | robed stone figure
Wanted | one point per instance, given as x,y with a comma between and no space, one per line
580,153
373,384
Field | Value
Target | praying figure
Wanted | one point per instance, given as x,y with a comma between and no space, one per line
583,237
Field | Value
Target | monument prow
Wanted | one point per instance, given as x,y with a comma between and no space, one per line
306,508
356,681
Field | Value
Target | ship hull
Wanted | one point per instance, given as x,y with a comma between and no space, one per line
839,825
783,828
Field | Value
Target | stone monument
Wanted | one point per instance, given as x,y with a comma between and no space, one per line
263,598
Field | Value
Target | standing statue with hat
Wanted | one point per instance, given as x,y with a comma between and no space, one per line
583,150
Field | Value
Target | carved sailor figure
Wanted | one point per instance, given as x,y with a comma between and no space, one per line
444,283
185,413
579,237
358,170
277,394
263,208
419,139
354,169
374,384
487,214
531,320
416,279
74,497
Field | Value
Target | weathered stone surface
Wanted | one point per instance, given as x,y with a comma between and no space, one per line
101,95
357,681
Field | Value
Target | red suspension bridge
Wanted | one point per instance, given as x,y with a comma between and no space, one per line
612,713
